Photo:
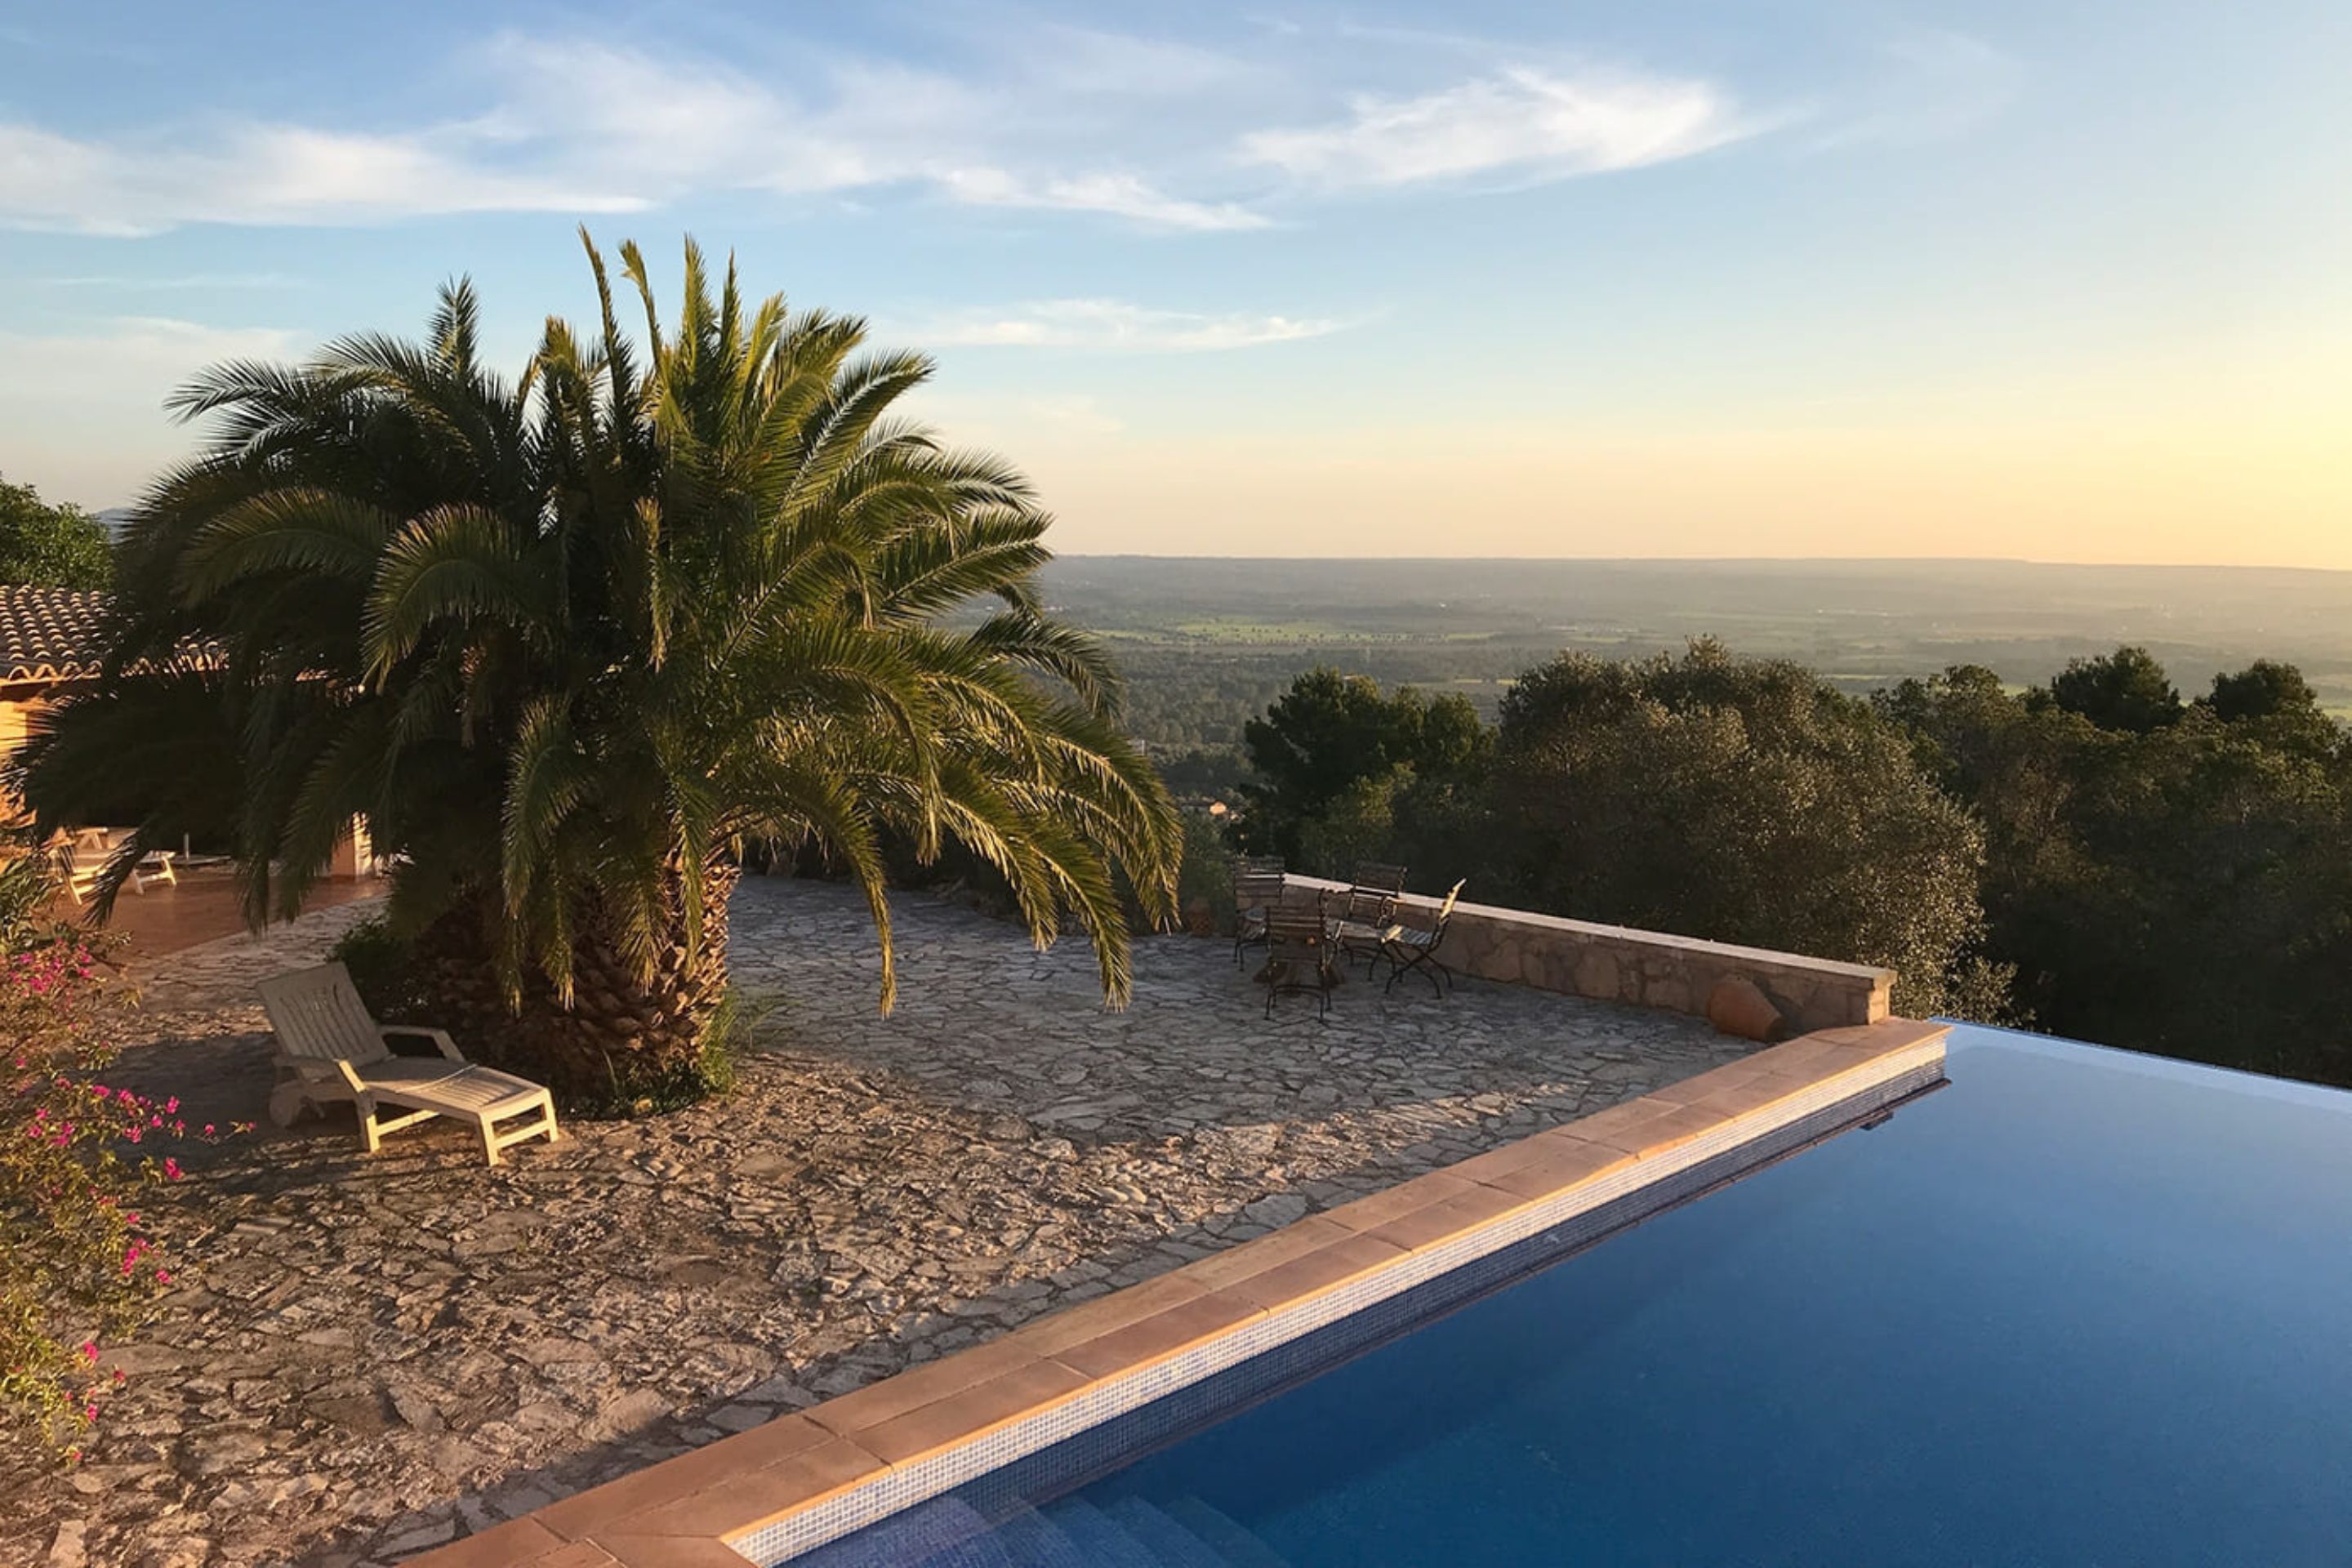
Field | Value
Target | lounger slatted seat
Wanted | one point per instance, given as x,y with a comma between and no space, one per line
331,1050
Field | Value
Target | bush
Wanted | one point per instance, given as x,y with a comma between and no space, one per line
1333,752
1743,801
26,885
79,1262
384,971
1204,877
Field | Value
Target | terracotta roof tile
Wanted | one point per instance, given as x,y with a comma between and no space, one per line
52,634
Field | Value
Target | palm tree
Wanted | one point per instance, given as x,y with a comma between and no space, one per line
567,644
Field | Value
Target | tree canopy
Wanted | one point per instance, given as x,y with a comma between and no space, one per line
2184,887
2126,690
1740,800
50,546
1333,754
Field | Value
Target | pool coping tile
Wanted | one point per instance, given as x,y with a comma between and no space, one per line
757,1496
845,1415
974,1412
683,1476
1169,1333
659,1551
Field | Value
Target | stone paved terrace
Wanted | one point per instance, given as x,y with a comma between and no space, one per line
378,1354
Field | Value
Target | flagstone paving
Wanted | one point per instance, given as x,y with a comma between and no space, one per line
375,1355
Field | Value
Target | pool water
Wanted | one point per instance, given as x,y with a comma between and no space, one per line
2080,1307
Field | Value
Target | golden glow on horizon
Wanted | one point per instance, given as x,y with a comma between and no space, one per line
2273,496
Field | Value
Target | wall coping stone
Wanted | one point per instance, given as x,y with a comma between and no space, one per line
1814,993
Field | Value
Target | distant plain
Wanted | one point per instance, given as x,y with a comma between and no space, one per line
1207,642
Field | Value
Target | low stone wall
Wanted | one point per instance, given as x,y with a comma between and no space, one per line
1647,968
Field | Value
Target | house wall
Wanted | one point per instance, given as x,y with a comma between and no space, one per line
17,711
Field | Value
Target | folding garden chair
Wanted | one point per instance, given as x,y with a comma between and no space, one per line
1412,948
1297,957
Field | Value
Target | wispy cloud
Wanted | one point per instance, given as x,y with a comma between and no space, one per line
132,282
269,174
1520,120
1123,195
581,127
1154,134
1932,86
1117,324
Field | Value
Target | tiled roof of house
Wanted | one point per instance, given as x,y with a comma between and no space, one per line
52,634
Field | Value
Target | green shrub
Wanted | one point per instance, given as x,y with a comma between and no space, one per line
79,1260
384,971
26,885
1206,875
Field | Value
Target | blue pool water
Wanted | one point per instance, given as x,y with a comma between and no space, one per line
2079,1306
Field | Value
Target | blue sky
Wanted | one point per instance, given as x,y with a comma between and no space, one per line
2062,279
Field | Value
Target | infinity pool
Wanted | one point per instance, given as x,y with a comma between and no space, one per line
2079,1306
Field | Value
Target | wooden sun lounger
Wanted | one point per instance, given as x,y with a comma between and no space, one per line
83,859
330,1050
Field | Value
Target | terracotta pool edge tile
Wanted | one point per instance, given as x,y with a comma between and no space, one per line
579,1554
903,1393
1093,1318
1362,1215
1163,1336
1319,1272
1230,1266
670,1552
1025,1391
681,1476
1442,1223
1567,1166
513,1544
754,1498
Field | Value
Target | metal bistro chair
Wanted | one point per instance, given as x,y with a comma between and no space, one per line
1367,911
1414,947
1258,886
1364,918
1297,956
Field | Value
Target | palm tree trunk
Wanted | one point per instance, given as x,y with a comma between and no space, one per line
624,1039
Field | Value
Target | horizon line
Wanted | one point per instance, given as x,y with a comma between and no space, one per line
1706,560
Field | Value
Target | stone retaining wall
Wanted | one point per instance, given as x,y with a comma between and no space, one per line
1647,968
